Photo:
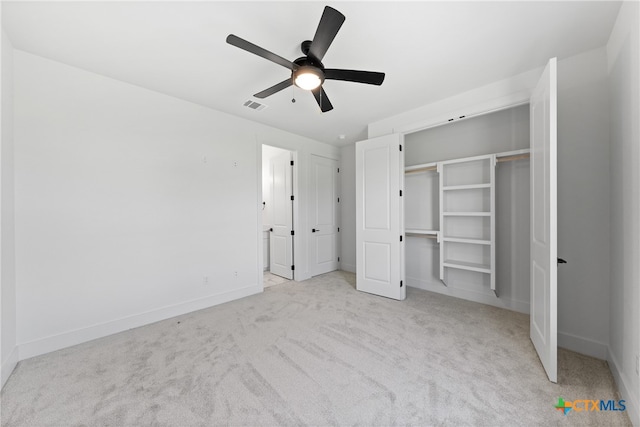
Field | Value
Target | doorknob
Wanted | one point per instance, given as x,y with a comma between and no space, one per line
271,229
561,261
313,230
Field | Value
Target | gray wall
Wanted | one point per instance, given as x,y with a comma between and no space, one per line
624,195
583,203
504,130
8,349
348,208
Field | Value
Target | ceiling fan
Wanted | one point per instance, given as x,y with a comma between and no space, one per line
308,72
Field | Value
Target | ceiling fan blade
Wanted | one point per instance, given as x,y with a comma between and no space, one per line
273,89
328,27
257,50
322,99
368,77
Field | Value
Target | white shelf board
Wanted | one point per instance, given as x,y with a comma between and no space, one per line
420,167
465,187
420,231
466,240
466,214
469,266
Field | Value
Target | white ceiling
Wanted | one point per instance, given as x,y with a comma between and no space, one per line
428,50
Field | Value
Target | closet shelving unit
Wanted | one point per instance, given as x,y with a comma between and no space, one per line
467,215
467,197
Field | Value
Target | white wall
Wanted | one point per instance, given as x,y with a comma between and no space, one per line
8,349
623,51
125,200
583,218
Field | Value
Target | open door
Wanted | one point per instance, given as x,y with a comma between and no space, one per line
544,267
324,215
281,239
379,217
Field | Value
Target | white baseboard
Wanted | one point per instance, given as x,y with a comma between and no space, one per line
8,366
582,345
351,268
632,400
509,304
79,336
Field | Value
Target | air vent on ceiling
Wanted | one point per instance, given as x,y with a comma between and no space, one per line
254,105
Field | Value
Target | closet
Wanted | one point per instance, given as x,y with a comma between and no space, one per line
469,206
472,241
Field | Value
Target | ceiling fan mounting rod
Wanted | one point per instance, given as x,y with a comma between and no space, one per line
305,46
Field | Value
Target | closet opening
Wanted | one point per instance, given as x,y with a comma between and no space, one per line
467,209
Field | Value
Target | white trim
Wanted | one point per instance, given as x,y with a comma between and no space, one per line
82,335
496,96
582,345
488,107
624,387
8,366
479,297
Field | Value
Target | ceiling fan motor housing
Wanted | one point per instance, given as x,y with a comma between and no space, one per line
307,65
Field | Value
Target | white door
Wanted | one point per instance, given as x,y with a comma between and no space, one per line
281,239
379,217
324,218
544,298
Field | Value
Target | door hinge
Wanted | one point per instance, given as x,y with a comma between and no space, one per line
338,259
338,229
291,162
401,238
400,283
400,193
293,233
293,267
338,199
400,147
291,197
338,170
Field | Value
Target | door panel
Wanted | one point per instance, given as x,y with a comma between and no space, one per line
379,217
324,218
281,240
544,298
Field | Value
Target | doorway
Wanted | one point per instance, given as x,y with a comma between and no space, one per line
277,213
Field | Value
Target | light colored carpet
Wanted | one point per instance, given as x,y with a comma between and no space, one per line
269,279
311,353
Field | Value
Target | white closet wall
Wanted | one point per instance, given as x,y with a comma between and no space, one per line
497,132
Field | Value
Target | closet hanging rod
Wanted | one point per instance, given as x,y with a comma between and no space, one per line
514,157
426,236
424,169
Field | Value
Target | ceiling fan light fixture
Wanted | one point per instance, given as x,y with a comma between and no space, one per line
308,77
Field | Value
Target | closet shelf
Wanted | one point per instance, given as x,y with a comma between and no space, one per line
421,231
469,266
465,187
466,240
466,213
